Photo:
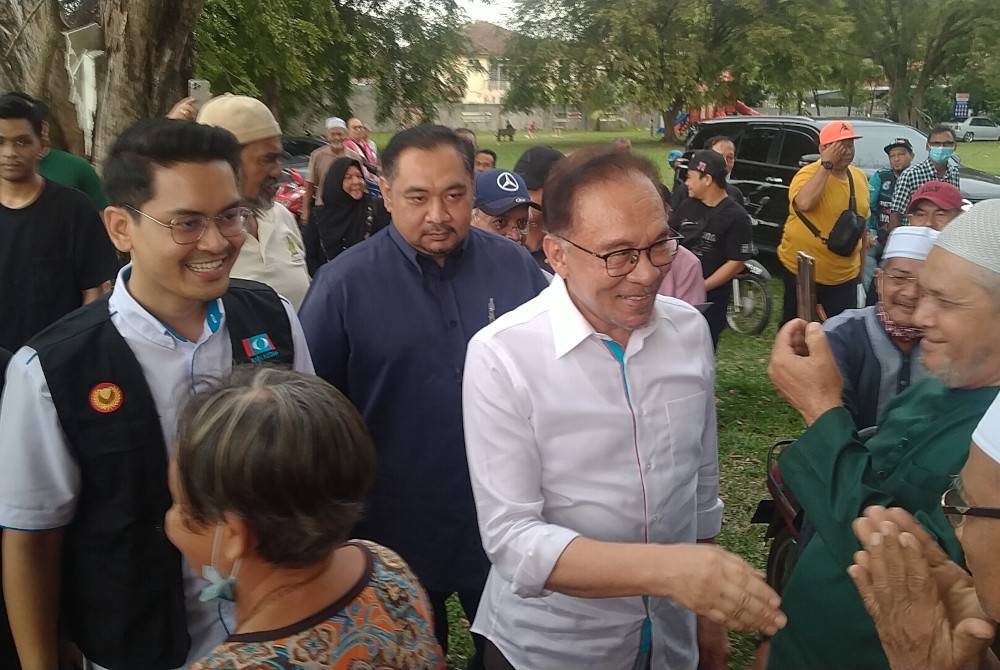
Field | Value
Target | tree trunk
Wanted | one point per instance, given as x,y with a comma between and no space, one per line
819,110
147,58
669,116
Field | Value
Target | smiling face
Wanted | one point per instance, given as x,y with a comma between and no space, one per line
336,137
960,320
354,183
430,199
608,216
898,289
20,149
899,159
168,277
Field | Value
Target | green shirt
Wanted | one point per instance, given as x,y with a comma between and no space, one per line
920,446
73,171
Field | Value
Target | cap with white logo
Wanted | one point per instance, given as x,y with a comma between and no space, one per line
499,191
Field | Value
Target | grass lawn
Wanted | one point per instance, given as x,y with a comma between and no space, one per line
751,416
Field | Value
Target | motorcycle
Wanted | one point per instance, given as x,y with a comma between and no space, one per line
292,192
749,310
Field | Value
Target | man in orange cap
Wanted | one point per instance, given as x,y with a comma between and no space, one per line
818,195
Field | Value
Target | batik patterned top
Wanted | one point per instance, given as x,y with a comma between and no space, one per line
385,623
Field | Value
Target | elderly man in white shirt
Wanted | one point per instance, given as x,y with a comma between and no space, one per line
591,438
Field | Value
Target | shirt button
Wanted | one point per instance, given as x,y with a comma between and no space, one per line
452,323
649,466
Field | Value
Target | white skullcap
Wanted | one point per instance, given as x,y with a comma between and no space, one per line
335,122
975,235
910,242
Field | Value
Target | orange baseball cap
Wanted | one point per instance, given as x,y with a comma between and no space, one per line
835,131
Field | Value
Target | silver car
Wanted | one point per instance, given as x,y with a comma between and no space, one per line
976,128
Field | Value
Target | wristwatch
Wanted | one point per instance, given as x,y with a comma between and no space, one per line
827,165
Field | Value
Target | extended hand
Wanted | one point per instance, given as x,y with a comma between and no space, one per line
804,371
917,627
722,587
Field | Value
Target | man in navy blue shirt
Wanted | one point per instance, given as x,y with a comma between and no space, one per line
387,323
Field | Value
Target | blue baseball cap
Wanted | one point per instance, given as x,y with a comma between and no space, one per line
499,191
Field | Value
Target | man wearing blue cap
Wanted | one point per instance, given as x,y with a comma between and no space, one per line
502,204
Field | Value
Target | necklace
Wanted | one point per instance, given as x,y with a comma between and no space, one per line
277,594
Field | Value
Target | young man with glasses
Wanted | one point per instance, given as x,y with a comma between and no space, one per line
877,348
938,167
502,204
54,253
90,411
591,439
716,229
921,442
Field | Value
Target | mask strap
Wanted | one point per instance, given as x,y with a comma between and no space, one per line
216,541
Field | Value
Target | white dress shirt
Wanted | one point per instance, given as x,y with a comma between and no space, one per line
565,440
40,478
276,256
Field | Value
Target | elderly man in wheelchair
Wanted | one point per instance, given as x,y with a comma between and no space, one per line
832,473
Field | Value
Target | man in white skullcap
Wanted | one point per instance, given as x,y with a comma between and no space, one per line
878,348
320,161
922,441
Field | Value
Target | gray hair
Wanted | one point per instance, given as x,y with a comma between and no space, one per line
286,452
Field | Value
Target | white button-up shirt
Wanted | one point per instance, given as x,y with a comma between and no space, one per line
277,256
40,478
565,439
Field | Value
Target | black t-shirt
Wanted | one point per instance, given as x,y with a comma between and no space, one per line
50,252
714,234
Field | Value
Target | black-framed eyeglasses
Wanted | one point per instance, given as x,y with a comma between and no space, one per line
622,261
899,278
956,509
190,228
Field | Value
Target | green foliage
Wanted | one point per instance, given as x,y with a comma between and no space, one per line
297,54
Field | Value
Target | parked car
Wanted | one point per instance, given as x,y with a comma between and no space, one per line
297,150
770,149
975,128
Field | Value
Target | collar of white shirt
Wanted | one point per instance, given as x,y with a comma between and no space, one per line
127,309
570,327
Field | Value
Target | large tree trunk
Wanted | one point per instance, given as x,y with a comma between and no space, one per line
147,58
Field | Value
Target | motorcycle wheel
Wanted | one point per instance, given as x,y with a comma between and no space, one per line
781,559
751,315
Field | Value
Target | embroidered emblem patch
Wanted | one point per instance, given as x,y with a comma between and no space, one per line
106,397
259,348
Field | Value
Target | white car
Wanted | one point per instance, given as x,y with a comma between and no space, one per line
976,128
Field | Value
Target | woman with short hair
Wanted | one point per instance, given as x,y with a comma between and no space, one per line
268,479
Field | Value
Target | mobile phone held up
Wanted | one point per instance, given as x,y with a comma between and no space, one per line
805,286
200,90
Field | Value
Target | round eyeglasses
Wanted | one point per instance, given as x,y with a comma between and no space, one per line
190,228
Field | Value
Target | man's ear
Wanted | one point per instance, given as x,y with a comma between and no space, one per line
555,252
119,223
386,189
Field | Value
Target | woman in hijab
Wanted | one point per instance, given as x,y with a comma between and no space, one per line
349,214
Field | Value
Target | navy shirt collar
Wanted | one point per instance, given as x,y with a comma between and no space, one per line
418,259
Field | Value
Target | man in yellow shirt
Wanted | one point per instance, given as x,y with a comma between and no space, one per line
821,191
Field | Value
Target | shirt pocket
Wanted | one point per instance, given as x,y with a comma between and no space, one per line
296,254
685,426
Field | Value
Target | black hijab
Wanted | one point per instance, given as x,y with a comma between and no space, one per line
343,221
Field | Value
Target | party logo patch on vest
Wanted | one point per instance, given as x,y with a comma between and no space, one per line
106,397
259,348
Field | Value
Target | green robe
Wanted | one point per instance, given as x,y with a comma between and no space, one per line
920,446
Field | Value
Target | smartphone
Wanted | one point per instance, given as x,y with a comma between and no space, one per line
805,286
200,90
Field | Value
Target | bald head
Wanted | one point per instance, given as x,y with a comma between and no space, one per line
356,129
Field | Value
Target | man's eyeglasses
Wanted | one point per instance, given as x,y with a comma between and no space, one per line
502,224
622,261
945,143
899,279
190,228
956,509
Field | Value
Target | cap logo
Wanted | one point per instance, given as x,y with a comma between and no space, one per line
106,397
846,128
507,182
701,167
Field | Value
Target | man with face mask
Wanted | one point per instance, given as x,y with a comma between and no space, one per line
878,348
938,167
273,253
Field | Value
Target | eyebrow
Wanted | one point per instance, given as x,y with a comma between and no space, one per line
195,212
416,190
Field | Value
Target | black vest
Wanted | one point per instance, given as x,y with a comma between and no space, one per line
122,592
884,203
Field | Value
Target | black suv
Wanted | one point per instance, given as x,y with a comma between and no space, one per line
769,151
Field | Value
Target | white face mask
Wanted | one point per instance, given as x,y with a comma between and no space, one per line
219,587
